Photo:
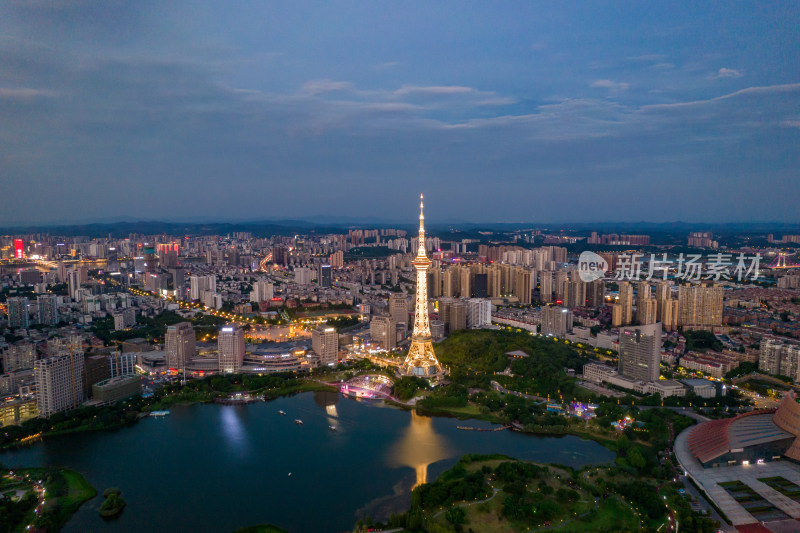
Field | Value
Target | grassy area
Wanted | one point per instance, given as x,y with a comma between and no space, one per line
499,494
64,492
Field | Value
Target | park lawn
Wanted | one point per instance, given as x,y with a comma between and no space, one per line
79,491
484,517
611,515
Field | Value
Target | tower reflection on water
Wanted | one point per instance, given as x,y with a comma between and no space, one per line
327,400
420,446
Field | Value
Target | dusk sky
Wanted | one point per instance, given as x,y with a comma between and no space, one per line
497,111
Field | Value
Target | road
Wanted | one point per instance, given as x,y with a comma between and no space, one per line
686,411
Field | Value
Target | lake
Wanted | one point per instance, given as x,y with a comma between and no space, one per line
216,468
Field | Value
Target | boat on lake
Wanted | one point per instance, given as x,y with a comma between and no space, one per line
298,421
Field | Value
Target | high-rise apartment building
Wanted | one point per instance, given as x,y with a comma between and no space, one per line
179,345
337,259
434,281
17,309
595,293
263,291
457,316
479,312
19,357
626,302
700,306
522,285
556,321
303,275
48,309
451,282
575,294
546,286
231,348
647,307
640,352
777,357
200,284
59,382
325,343
666,307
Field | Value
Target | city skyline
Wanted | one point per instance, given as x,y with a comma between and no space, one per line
508,113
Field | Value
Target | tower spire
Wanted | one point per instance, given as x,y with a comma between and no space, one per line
421,360
421,247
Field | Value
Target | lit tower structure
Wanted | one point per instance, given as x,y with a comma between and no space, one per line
421,360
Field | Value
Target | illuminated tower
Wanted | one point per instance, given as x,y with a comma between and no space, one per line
421,361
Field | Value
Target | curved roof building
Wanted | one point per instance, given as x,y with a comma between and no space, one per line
750,437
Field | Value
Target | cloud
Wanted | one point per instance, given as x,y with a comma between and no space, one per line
325,86
24,93
612,86
386,65
788,87
433,90
496,101
727,73
646,58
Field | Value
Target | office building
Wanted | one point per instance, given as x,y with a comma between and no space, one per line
121,364
95,369
325,343
230,345
179,345
324,277
383,331
398,307
640,352
115,389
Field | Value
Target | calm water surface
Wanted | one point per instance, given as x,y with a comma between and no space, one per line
213,468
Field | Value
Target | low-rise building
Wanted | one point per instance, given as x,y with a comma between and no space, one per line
114,389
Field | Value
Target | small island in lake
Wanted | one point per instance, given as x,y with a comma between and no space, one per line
113,504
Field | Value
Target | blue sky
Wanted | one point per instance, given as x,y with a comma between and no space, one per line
498,111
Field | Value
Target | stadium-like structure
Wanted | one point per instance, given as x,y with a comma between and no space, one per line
758,436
